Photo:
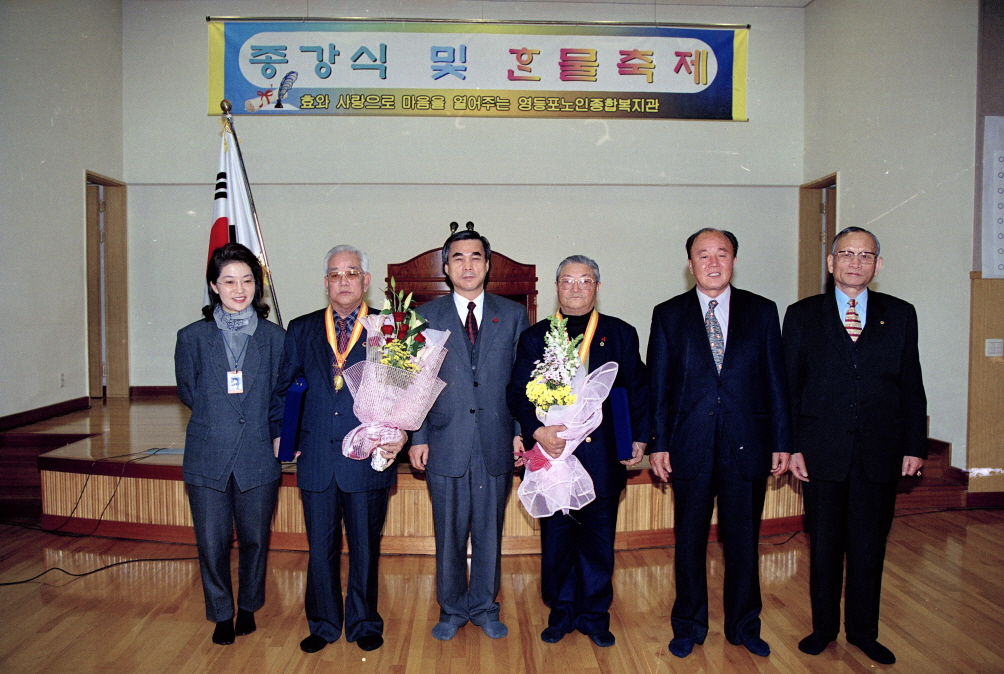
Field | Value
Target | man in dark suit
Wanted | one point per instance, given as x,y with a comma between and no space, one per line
577,560
467,441
859,412
320,346
721,425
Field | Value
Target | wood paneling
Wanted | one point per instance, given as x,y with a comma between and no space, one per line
116,292
985,443
95,387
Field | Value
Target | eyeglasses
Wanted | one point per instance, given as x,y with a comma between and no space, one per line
864,257
584,283
231,284
350,275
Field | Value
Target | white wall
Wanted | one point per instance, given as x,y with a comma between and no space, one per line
625,192
895,116
61,116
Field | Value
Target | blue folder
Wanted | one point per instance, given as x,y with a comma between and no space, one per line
622,421
291,414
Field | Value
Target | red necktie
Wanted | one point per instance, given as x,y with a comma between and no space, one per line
852,322
471,325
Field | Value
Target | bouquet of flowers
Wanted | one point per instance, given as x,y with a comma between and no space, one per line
564,395
395,387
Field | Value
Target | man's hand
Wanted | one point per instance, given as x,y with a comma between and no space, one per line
518,450
912,465
660,465
779,463
549,441
637,452
275,449
797,467
390,450
419,456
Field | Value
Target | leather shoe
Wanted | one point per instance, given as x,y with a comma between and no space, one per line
552,635
369,642
224,632
444,631
875,651
604,639
313,643
495,629
814,644
681,646
244,625
758,646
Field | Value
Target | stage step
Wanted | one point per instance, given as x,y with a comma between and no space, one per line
20,486
940,485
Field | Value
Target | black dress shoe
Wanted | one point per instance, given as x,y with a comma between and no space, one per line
758,646
370,642
814,644
603,639
552,635
313,643
244,625
875,651
224,632
681,647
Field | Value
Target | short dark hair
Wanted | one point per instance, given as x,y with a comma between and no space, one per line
724,232
465,235
851,230
221,257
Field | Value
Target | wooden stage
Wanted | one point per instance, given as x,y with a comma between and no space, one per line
108,484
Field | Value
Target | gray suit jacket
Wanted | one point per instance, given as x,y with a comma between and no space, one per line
471,414
228,432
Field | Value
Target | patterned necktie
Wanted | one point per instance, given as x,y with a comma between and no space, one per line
852,322
342,338
471,325
715,336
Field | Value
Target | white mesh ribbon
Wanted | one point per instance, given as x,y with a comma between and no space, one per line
562,483
387,399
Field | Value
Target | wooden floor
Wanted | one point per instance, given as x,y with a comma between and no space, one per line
942,611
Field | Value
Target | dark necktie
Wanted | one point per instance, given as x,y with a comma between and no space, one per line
852,322
342,339
715,336
471,325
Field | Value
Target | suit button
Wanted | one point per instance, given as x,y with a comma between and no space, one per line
720,382
857,376
472,410
241,420
589,439
475,384
337,414
711,413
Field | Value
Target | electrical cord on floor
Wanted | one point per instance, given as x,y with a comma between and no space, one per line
102,568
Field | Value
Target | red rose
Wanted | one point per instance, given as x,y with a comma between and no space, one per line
398,316
420,338
389,340
402,333
387,329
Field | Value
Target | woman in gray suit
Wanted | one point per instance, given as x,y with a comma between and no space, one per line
226,366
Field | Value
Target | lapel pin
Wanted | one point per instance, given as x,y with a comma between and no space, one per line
495,320
603,341
881,322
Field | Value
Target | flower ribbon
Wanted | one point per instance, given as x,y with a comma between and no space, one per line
536,459
266,96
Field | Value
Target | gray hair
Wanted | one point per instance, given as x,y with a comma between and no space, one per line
578,259
364,262
852,230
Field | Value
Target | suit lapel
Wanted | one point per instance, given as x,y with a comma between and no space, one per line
738,327
489,329
219,363
834,327
872,336
321,352
698,332
447,317
252,361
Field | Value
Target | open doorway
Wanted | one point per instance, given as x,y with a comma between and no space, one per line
107,288
817,223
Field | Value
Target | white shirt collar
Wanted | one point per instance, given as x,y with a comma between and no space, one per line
461,303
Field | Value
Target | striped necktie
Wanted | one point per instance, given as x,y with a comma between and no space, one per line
852,322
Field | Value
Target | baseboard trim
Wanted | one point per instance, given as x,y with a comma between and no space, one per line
146,391
42,413
984,499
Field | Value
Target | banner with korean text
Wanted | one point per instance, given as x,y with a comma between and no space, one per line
477,69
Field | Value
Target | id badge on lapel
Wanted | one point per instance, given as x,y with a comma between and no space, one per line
235,382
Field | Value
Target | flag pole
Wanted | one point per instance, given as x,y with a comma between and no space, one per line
226,107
